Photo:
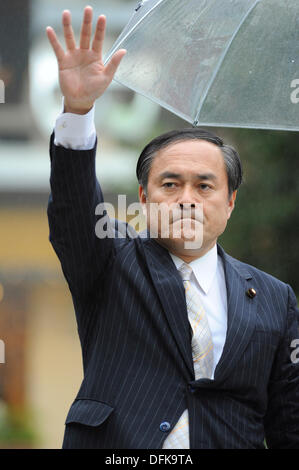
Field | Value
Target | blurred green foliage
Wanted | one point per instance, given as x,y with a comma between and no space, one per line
263,229
15,428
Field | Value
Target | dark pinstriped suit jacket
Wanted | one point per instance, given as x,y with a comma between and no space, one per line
135,336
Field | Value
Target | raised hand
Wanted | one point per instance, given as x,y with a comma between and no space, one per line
82,75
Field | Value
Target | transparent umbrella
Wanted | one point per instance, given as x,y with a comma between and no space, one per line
231,63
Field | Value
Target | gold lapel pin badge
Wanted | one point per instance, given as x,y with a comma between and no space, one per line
251,293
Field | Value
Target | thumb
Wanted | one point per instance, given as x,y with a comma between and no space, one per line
113,64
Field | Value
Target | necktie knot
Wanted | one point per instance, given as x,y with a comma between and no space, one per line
185,271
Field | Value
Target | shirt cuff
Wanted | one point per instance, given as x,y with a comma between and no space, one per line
75,131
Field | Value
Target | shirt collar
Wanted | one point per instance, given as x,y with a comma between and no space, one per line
204,268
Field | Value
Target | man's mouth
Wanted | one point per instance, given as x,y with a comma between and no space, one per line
197,216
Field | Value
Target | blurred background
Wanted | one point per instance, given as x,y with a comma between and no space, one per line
43,369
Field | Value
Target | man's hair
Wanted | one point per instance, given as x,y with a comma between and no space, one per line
231,158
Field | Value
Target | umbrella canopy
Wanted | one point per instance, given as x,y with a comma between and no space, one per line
231,63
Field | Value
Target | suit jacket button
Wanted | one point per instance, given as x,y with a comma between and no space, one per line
165,426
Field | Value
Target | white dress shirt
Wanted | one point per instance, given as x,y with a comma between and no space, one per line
75,131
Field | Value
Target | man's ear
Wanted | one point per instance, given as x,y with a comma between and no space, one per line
231,204
142,199
142,195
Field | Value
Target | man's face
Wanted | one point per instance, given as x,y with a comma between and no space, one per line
184,173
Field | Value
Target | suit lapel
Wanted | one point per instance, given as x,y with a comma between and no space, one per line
241,309
170,290
241,315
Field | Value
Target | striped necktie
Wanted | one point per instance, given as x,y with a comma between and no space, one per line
202,352
202,345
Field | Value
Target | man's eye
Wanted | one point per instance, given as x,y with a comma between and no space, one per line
169,185
204,186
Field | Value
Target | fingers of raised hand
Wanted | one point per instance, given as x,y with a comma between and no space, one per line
86,31
86,28
68,30
58,49
99,35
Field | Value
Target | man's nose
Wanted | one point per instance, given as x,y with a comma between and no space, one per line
185,205
187,197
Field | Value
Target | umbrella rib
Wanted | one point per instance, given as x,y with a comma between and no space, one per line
132,29
212,79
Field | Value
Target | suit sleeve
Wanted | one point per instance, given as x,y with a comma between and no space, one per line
282,419
75,194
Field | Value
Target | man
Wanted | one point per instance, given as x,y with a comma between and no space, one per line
182,347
